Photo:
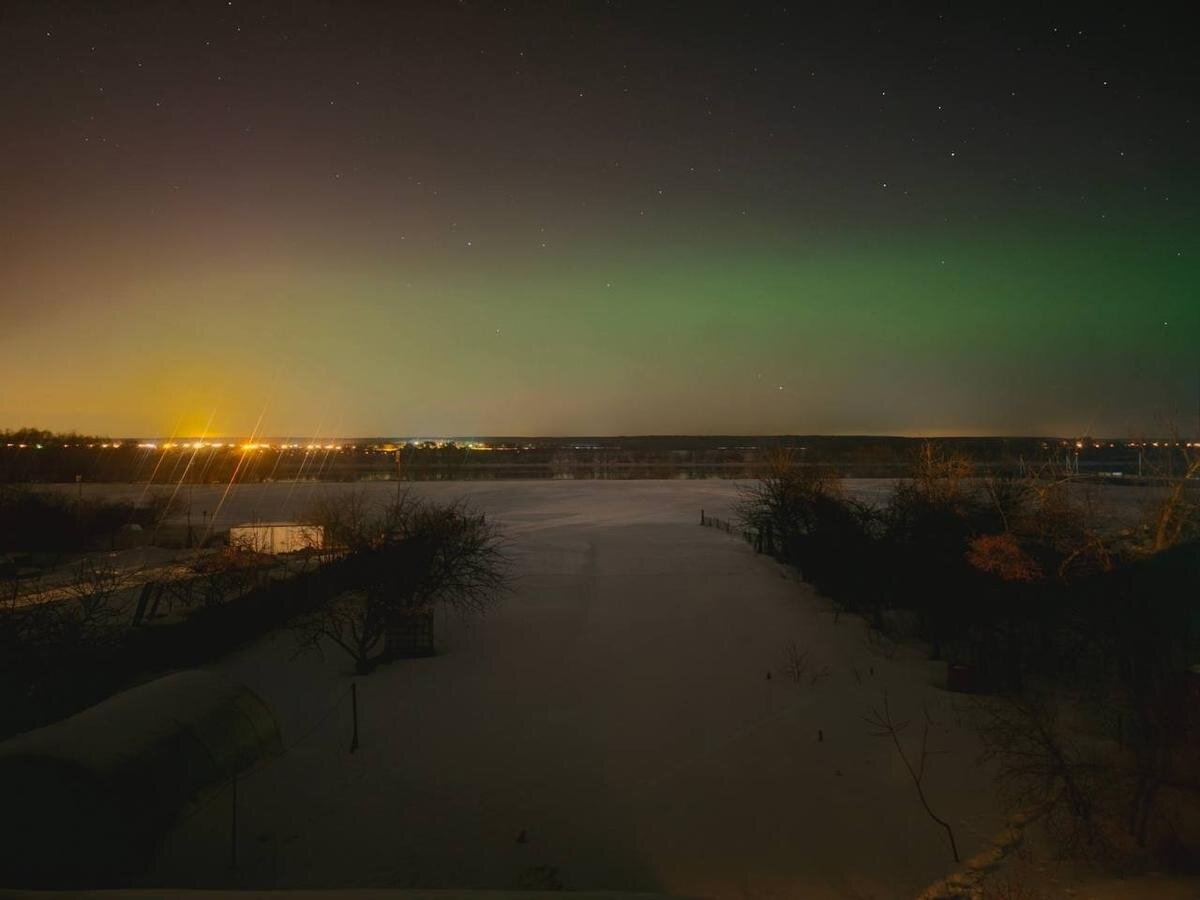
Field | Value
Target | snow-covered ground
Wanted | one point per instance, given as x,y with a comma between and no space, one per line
615,713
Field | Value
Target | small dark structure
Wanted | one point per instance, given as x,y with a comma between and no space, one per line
959,678
410,633
87,799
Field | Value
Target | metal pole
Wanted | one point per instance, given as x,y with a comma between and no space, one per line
233,829
354,712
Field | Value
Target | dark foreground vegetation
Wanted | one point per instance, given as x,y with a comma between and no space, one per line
370,589
1081,638
368,583
102,636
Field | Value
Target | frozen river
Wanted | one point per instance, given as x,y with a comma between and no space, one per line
522,504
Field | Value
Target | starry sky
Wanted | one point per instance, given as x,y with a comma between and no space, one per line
440,218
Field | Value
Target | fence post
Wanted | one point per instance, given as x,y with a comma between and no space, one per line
702,515
143,601
354,713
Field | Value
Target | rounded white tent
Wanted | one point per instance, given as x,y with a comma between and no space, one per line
86,799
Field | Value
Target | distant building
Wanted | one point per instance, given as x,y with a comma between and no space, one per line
277,537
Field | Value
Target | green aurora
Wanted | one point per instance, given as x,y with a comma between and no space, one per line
1089,330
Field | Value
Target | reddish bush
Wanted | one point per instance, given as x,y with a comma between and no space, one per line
1002,556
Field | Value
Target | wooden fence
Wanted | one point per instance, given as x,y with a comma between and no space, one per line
762,541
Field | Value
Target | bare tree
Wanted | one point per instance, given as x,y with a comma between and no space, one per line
93,608
354,621
795,664
400,561
782,503
885,726
1043,770
162,505
350,521
468,570
941,476
1175,516
225,575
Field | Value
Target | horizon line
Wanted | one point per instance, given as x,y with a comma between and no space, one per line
766,435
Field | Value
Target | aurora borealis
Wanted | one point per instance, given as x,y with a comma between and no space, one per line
595,218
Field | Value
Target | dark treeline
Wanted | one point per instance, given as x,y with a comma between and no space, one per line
44,521
33,437
1084,636
35,456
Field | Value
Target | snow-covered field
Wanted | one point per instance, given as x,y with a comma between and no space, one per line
615,713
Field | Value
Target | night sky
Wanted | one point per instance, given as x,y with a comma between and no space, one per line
595,218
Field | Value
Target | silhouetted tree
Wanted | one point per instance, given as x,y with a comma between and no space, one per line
401,560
